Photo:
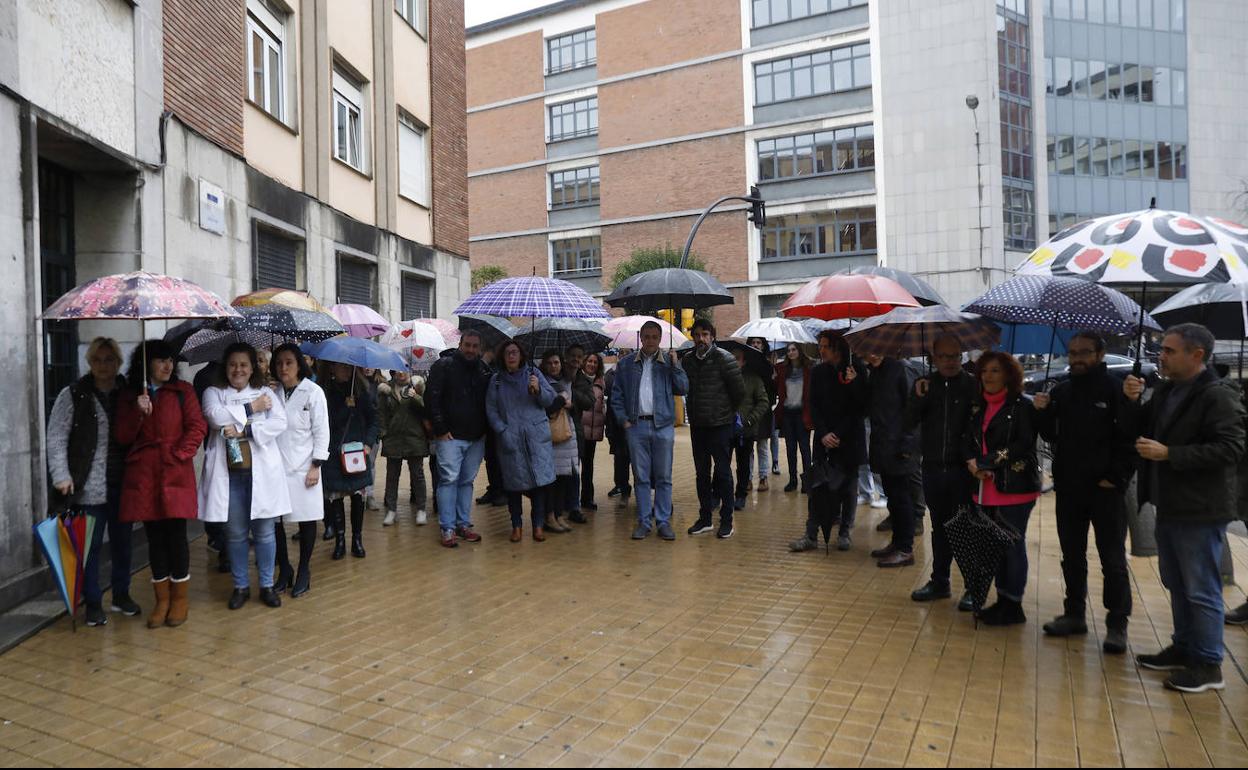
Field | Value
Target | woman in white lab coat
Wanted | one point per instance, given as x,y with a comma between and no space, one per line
304,446
244,480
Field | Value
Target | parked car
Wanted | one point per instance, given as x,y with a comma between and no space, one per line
1119,366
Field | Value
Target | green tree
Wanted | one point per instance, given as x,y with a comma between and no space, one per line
485,275
655,258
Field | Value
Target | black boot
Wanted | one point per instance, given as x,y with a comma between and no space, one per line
357,526
303,582
285,573
340,535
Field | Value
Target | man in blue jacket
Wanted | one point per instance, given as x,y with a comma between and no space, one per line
643,400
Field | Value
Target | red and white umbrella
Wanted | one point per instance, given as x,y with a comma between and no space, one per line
847,296
419,341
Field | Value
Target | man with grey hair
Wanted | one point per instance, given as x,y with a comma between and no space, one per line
1192,440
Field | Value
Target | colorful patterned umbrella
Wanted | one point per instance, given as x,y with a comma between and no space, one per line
137,296
847,296
1142,247
625,332
775,330
260,326
360,320
909,331
559,333
533,297
299,300
66,541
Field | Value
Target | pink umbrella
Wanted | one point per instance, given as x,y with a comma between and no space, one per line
450,332
360,320
625,332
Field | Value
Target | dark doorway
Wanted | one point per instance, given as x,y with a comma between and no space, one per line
56,251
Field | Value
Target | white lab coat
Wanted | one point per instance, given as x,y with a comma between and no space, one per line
306,439
269,495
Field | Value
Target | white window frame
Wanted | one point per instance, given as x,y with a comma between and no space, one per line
263,23
415,13
348,102
415,185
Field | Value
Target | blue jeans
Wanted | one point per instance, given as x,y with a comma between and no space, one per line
1012,571
1189,555
651,451
458,463
238,527
119,549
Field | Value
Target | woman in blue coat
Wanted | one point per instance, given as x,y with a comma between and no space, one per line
516,404
352,419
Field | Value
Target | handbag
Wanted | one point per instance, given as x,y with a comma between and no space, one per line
560,428
351,454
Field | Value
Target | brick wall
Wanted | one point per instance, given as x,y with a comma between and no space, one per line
449,132
507,135
518,256
503,203
506,69
684,101
676,177
205,66
660,32
721,243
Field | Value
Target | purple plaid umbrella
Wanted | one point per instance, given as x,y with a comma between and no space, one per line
360,320
533,297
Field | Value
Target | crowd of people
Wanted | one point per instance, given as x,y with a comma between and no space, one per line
287,442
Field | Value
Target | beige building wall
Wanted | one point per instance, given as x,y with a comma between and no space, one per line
276,146
410,73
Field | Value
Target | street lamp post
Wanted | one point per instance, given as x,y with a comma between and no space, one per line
758,215
972,102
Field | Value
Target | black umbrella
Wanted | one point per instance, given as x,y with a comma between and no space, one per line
755,360
559,333
1222,308
670,287
978,543
494,330
261,326
918,288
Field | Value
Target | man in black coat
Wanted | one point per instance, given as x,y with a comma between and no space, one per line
1193,438
1086,422
940,407
893,454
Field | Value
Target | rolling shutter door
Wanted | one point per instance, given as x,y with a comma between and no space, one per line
417,298
276,261
356,282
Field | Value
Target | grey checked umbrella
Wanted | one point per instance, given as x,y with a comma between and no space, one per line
909,331
670,287
494,331
559,333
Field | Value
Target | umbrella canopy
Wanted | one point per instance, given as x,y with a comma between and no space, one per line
360,320
816,325
137,296
559,333
755,360
907,332
261,327
918,288
1221,307
1019,339
355,351
847,296
978,544
299,300
670,287
1069,303
1143,247
410,335
494,331
775,330
533,297
625,332
66,541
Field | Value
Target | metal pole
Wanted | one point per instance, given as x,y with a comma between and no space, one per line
684,256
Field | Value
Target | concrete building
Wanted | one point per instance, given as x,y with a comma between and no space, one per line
243,144
599,126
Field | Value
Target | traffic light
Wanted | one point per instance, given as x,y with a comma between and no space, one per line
758,208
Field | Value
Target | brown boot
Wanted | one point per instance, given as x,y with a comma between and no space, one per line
516,534
762,485
538,535
161,610
178,602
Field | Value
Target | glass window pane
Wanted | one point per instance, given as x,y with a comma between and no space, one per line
842,75
779,11
822,78
1165,161
1096,79
1114,154
1131,158
1083,163
1096,11
1161,15
274,102
762,15
762,89
1061,9
783,85
1062,76
1179,92
1130,16
862,72
1146,14
1100,157
1148,160
801,82
1130,82
1178,18
1161,85
1078,9
866,152
1180,161
1111,12
1081,78
257,68
844,155
1146,83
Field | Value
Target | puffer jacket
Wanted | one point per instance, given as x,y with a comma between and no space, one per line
755,409
401,413
716,388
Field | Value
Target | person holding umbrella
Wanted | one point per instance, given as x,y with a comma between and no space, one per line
160,427
1193,438
516,404
999,448
352,421
244,482
581,389
716,392
643,399
593,427
893,454
793,411
754,411
1086,421
767,435
86,465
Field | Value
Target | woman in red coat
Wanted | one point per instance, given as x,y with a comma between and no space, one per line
160,429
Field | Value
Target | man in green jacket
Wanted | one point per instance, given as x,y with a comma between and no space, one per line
716,392
754,412
401,411
1193,438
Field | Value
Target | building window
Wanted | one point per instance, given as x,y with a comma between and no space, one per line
769,305
821,234
812,74
1014,87
278,262
823,152
573,120
572,51
413,161
417,297
265,35
572,257
415,13
1111,81
767,12
348,121
1103,157
575,187
357,281
1020,218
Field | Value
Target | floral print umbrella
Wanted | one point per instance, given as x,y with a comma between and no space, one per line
138,296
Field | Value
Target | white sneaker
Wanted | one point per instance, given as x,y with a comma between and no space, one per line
389,519
879,502
863,499
422,518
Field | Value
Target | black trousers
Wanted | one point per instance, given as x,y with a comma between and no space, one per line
745,457
588,450
623,465
167,549
537,506
556,496
827,506
493,469
796,439
307,541
712,462
947,488
1106,511
897,487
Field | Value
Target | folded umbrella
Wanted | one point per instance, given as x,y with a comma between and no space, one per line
907,332
355,351
978,543
625,332
847,296
560,333
48,537
360,320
